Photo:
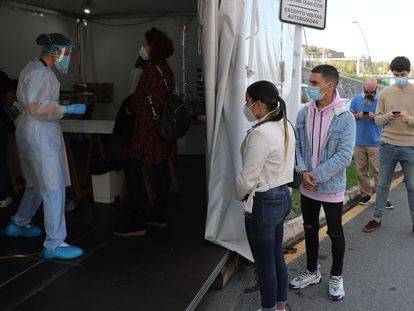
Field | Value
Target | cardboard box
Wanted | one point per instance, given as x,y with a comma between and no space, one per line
106,187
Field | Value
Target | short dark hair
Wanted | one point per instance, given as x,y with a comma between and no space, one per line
400,64
328,73
6,84
161,45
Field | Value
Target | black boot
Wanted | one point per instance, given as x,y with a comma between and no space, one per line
158,216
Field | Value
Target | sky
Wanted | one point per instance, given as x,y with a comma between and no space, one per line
388,27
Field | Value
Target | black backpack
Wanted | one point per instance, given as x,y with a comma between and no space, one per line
175,118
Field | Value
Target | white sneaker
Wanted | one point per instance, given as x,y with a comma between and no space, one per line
336,288
6,202
306,278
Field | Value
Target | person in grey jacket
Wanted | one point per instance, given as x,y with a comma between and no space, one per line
325,132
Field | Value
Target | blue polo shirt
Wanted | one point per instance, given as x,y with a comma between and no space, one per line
368,133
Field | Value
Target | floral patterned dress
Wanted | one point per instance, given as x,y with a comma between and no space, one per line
147,145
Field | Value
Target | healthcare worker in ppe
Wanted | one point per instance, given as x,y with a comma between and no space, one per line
42,150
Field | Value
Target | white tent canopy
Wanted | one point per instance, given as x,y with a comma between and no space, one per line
233,34
228,33
106,8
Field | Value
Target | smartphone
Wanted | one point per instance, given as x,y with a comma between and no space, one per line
365,113
396,112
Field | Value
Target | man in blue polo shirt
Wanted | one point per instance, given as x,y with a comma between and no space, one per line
368,135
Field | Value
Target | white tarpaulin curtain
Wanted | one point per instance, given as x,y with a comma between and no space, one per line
225,129
226,28
276,53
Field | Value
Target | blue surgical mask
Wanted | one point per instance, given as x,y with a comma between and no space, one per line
62,65
314,92
400,81
249,114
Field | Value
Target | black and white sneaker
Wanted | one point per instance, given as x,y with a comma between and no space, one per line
371,226
389,205
365,200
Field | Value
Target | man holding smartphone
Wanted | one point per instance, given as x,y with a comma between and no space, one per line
395,112
368,134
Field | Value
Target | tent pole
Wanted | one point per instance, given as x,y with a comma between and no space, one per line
183,44
79,52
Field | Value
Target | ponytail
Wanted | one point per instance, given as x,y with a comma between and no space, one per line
284,117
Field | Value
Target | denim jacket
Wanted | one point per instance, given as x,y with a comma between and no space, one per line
337,150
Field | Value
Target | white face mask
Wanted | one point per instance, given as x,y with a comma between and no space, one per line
248,113
143,53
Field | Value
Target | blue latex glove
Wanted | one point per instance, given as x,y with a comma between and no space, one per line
75,109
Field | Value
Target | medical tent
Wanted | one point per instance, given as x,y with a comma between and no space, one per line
220,48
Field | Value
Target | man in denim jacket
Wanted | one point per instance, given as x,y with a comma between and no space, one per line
325,132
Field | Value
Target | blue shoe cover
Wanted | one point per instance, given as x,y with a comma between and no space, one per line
64,251
29,231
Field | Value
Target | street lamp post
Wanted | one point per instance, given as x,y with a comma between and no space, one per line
365,40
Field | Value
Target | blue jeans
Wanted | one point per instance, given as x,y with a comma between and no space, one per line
390,155
264,228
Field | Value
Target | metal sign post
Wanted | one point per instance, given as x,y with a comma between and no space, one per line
307,13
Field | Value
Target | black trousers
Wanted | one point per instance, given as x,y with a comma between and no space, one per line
136,189
333,213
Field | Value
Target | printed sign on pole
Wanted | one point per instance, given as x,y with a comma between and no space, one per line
307,13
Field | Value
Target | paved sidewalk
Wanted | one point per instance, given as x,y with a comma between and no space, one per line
378,269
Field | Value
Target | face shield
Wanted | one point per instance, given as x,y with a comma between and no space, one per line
63,58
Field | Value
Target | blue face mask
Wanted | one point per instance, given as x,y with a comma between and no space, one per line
401,81
62,65
314,92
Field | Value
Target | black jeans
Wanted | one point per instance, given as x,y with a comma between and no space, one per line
333,214
136,189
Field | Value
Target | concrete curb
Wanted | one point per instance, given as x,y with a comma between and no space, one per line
293,228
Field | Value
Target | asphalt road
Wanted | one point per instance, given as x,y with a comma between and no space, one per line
378,270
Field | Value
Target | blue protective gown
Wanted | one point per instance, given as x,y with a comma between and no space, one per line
42,151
